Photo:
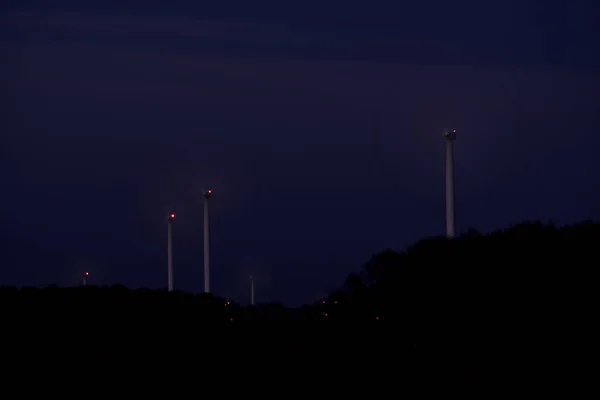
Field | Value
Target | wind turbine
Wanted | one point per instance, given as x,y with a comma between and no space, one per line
450,137
170,252
207,196
251,291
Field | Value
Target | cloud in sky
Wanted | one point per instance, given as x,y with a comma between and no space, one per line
131,26
489,36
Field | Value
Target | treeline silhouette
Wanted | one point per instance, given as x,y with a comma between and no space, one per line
517,302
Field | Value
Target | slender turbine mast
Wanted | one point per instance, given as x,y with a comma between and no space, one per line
207,196
251,291
85,275
170,253
450,137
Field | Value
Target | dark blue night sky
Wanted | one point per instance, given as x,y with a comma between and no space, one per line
318,126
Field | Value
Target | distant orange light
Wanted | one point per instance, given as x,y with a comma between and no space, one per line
335,302
323,302
376,317
87,273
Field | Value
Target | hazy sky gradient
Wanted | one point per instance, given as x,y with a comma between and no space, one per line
319,130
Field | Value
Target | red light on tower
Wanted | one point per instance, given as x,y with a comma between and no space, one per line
87,274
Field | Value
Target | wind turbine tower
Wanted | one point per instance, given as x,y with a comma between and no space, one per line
450,137
85,276
207,196
251,291
170,253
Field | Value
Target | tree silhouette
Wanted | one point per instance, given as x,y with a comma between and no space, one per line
478,301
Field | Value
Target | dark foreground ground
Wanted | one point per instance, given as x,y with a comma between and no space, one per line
280,359
94,342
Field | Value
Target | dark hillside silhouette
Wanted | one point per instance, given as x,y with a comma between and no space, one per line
520,297
516,302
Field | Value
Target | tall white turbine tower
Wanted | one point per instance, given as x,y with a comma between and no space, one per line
450,137
251,291
170,253
207,196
